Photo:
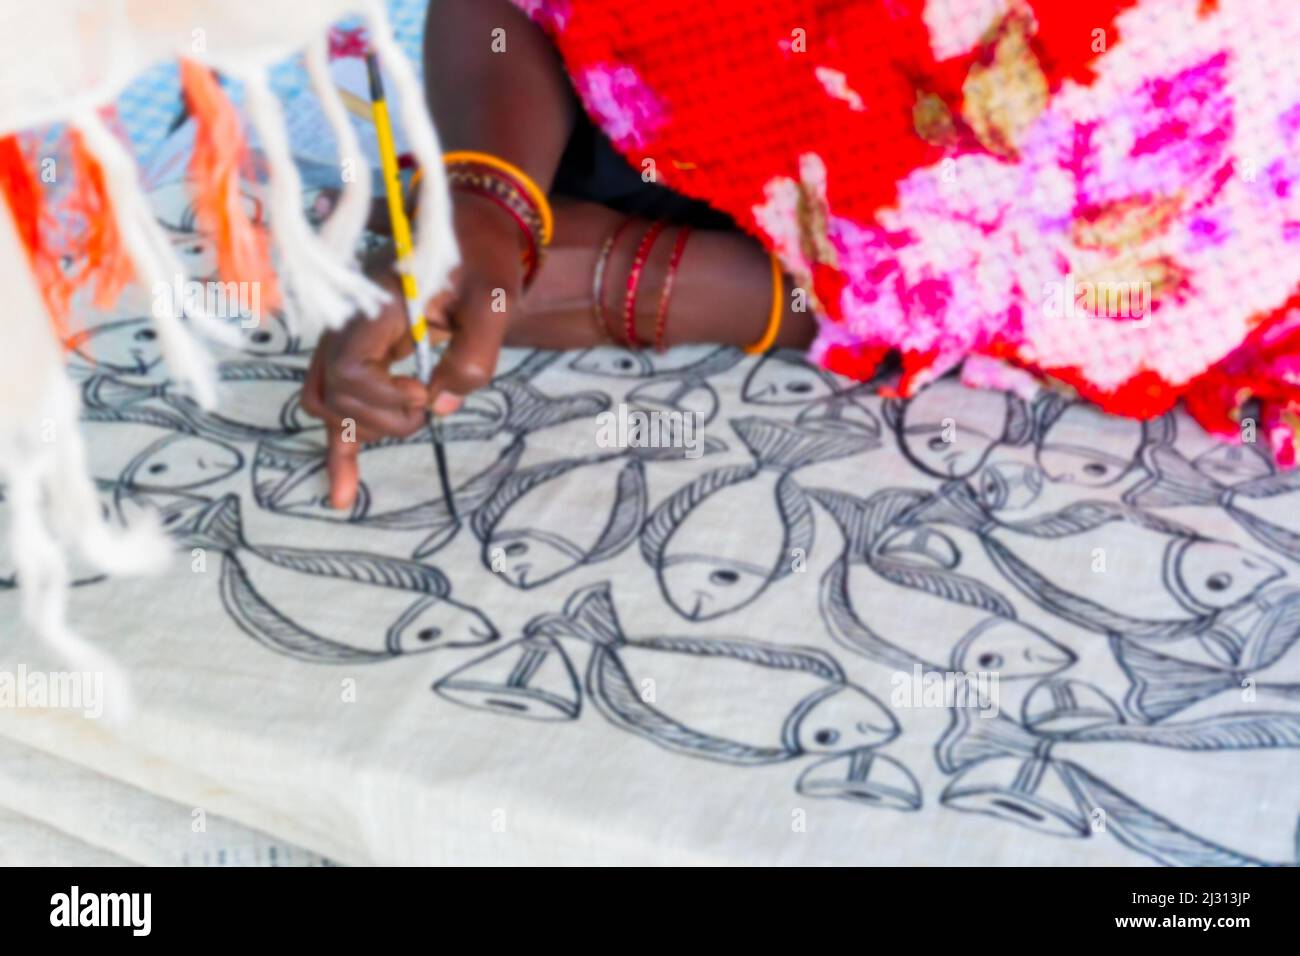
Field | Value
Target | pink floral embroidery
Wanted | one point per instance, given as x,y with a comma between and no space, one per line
551,15
1130,187
624,107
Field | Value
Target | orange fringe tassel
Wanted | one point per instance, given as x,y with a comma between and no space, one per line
243,249
34,220
99,251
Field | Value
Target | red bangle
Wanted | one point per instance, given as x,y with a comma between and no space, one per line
507,193
530,258
598,280
634,281
675,260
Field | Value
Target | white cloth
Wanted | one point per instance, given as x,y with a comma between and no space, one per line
267,691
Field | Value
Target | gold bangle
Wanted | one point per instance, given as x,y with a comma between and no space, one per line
777,313
514,172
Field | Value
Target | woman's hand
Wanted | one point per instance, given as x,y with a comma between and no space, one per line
350,385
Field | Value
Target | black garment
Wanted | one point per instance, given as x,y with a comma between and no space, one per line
592,170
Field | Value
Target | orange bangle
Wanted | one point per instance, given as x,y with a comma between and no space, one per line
777,313
514,172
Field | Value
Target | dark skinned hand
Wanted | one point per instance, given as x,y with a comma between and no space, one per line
350,385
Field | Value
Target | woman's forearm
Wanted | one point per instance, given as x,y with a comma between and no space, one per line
495,84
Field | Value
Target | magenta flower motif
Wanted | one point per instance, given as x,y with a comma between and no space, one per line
621,104
1134,186
551,15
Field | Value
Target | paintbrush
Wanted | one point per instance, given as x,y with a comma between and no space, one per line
401,228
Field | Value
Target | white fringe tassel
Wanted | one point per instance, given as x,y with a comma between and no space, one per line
155,262
436,253
342,230
324,287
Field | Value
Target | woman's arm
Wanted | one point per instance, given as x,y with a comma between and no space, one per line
515,104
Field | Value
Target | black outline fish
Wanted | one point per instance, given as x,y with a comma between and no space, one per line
176,430
218,526
865,777
1017,427
1175,482
1162,685
757,391
779,449
531,677
1050,408
589,616
956,504
1004,770
872,530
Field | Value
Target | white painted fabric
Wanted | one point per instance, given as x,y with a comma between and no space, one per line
49,806
627,654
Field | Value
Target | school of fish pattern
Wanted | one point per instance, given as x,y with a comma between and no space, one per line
1134,588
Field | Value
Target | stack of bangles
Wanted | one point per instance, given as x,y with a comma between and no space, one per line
514,191
627,335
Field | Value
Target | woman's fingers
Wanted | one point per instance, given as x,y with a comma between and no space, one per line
372,383
470,358
341,465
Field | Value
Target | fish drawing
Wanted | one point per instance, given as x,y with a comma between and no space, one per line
862,776
532,677
331,607
1234,463
948,430
1182,593
124,347
971,625
258,399
846,406
1163,685
608,362
685,391
1061,706
785,377
154,449
1009,485
703,573
1174,482
527,527
290,477
270,336
735,701
1050,782
1076,444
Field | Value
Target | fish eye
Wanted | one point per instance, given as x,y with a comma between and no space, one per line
516,549
624,363
261,336
171,519
1094,468
989,661
826,736
799,388
145,335
724,577
1219,582
195,249
158,467
936,443
429,634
